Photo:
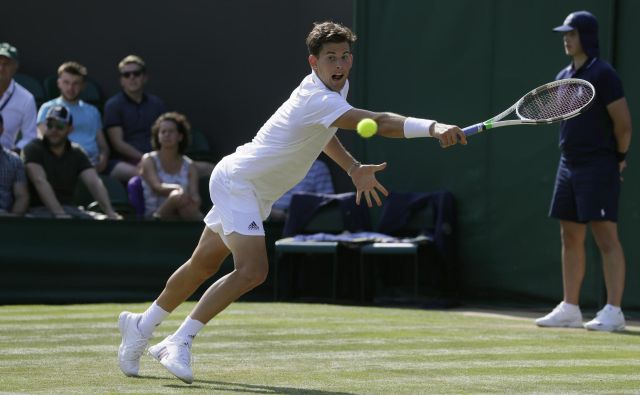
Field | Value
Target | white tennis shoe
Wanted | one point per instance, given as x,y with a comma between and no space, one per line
608,319
133,343
175,356
563,316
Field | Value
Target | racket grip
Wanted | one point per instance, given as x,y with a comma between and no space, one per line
473,129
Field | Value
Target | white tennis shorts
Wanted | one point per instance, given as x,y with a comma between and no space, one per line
236,208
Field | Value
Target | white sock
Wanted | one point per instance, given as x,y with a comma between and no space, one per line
615,309
570,307
151,318
188,330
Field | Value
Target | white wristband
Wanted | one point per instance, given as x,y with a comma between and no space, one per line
417,127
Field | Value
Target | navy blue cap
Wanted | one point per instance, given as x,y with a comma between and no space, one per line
61,113
587,26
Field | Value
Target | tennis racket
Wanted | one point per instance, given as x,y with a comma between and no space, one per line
552,102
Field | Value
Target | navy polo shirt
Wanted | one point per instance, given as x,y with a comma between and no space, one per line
590,135
135,118
62,171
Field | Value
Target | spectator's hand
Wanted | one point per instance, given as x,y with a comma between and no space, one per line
364,179
448,135
102,163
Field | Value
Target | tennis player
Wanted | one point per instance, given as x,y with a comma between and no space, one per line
594,148
245,184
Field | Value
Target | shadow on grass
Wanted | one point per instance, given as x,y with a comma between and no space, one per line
211,385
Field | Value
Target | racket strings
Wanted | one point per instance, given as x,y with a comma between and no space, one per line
555,101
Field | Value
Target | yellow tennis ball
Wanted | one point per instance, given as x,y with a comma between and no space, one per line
367,127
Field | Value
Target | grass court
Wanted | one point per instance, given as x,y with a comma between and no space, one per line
279,348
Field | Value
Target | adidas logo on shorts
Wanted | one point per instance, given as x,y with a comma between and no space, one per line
253,226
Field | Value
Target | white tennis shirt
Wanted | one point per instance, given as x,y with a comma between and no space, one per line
284,149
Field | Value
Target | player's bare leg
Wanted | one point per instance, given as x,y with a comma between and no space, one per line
251,269
204,263
137,329
573,259
613,263
567,314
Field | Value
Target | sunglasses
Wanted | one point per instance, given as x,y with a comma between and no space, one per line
56,125
128,74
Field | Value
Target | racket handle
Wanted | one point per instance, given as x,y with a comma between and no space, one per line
473,129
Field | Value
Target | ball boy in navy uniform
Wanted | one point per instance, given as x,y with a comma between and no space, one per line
594,147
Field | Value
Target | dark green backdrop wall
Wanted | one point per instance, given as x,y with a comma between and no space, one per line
228,64
460,62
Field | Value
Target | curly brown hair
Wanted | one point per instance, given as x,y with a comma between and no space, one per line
182,124
328,32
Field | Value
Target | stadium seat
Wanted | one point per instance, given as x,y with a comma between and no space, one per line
32,85
117,195
199,148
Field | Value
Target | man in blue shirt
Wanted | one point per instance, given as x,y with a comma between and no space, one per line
87,125
594,147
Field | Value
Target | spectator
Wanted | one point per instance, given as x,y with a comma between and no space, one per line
170,181
53,166
14,196
17,105
317,180
87,125
128,117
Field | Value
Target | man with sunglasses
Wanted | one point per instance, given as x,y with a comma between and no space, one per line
54,165
87,124
128,117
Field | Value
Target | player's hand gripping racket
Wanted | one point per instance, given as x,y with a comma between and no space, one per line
552,102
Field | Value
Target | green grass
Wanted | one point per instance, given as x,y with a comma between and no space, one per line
270,348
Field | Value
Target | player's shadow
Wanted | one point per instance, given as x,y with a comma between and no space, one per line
212,385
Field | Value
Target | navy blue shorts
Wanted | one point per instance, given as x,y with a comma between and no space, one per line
586,191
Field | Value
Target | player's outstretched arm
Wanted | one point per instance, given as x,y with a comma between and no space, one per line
398,126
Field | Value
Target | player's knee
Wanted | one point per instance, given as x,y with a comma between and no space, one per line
608,245
203,269
254,275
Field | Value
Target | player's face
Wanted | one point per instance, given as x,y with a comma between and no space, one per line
168,134
70,86
572,45
8,68
333,64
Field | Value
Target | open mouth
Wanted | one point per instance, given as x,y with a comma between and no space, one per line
337,77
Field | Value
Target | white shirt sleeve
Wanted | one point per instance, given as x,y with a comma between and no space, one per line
325,107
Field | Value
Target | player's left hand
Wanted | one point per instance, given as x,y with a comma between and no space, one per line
364,179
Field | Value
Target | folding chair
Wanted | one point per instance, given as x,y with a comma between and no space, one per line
312,213
405,215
